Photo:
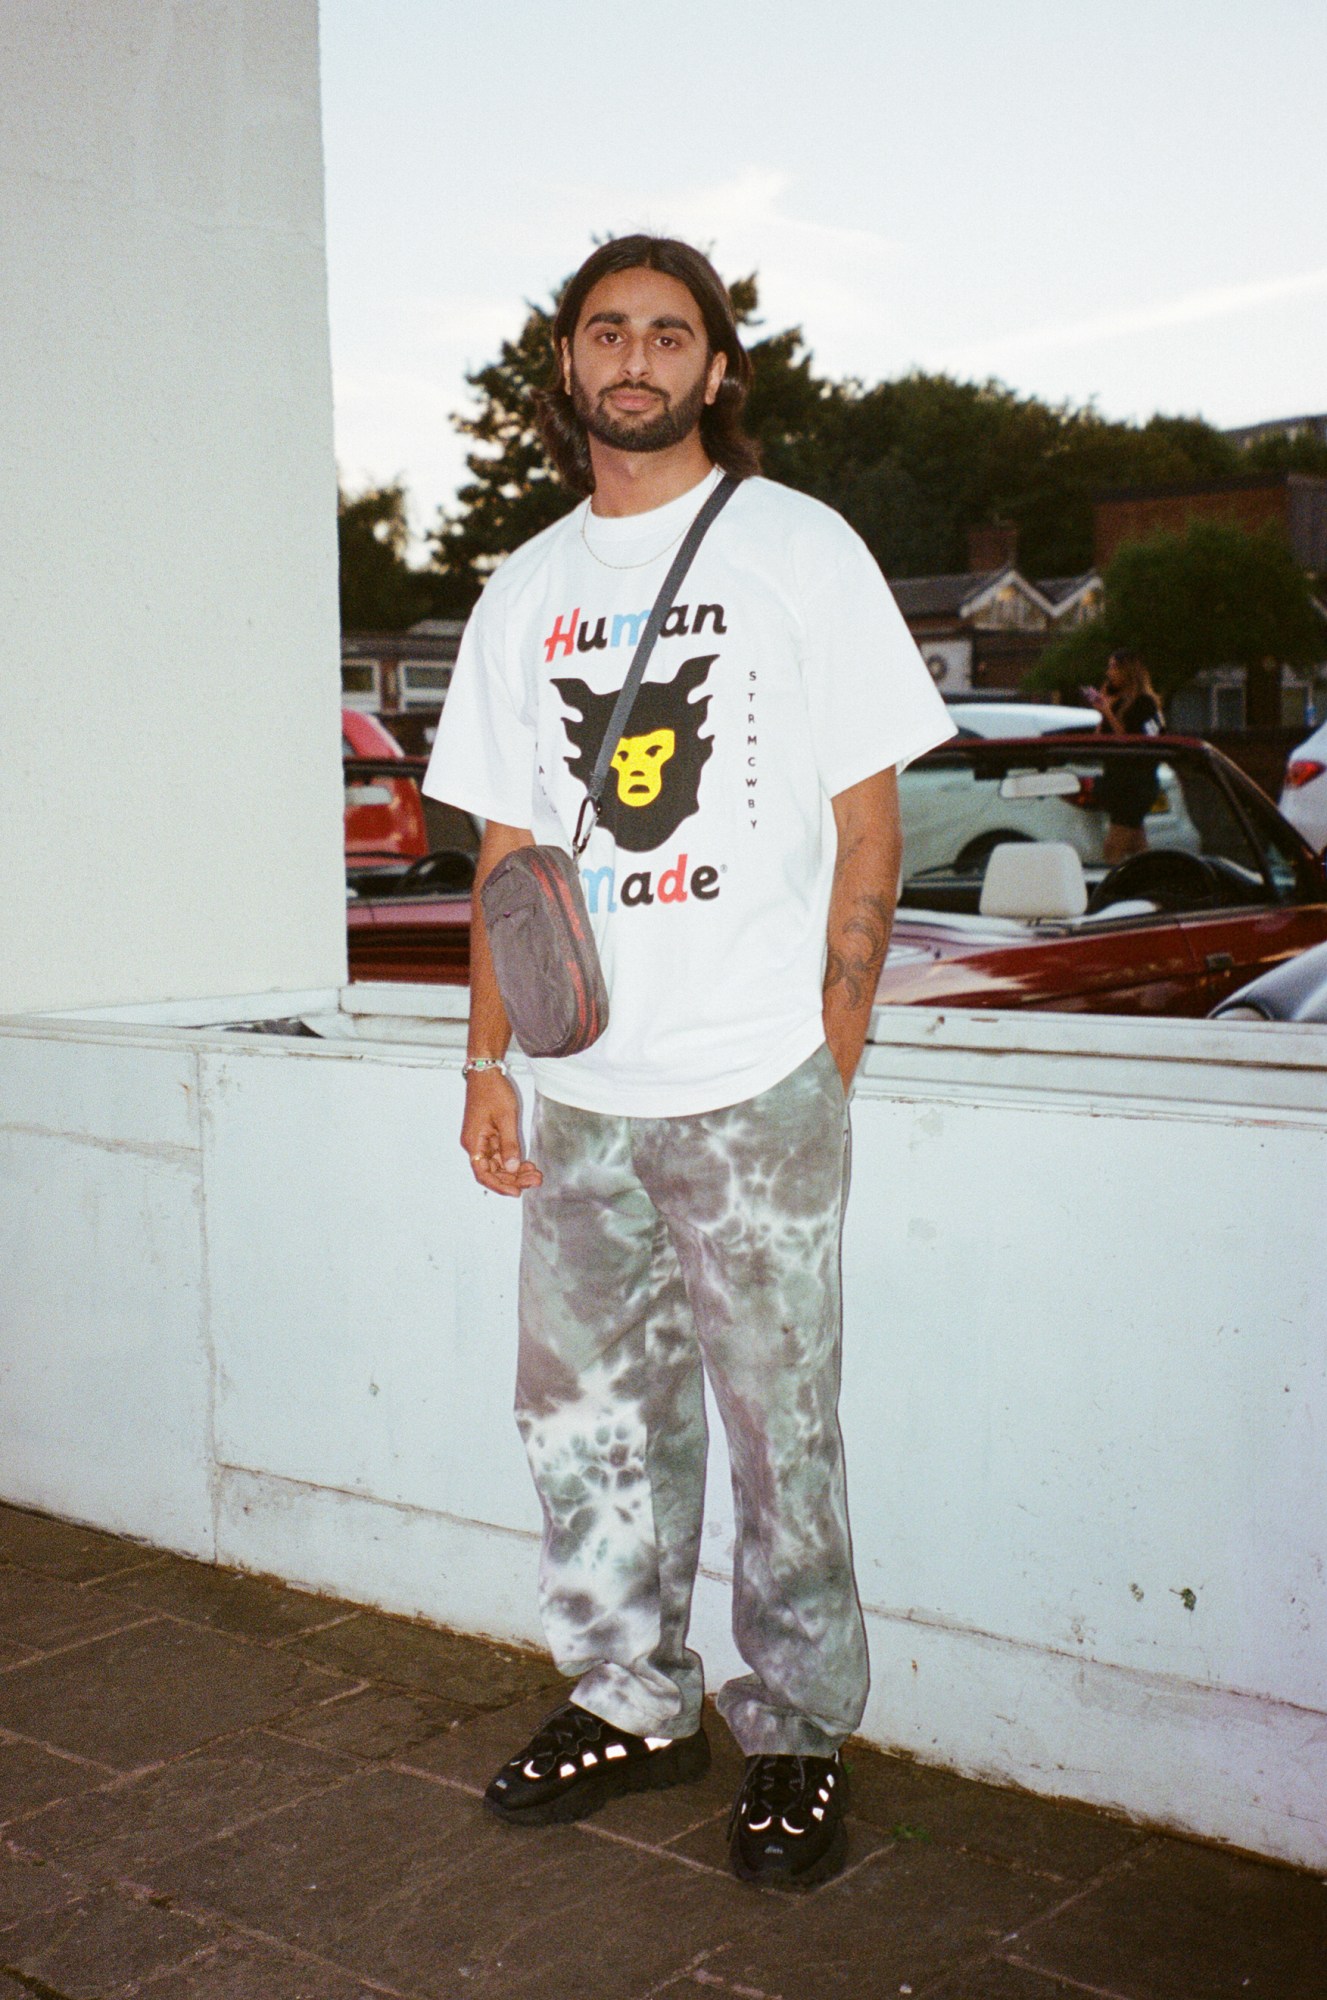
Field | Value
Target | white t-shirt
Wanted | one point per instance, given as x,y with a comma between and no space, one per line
783,675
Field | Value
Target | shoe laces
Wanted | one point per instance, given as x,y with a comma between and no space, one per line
573,1740
786,1794
568,1731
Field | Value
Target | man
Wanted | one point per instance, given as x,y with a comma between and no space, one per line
684,1188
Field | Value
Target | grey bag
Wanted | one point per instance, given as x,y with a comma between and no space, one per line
544,954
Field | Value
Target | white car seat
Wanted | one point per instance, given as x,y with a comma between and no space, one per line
1033,878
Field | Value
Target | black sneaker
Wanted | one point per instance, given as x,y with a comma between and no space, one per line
786,1829
577,1763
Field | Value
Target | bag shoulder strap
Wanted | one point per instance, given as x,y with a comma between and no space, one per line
640,659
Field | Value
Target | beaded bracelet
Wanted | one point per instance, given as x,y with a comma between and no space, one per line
475,1065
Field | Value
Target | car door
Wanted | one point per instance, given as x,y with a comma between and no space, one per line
1129,965
423,938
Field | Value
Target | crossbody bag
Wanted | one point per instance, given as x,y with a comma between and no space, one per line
544,954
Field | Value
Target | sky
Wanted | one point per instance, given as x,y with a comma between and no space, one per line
1122,202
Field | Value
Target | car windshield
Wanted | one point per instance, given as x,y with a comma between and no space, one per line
400,845
958,807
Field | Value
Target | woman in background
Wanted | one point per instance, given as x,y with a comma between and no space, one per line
1129,706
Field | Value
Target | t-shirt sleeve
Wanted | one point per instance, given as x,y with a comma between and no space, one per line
872,701
484,753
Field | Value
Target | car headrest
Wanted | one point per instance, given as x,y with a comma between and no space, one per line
1033,878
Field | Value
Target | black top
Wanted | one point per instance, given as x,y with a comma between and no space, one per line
1141,718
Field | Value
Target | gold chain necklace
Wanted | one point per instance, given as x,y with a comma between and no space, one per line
634,565
709,478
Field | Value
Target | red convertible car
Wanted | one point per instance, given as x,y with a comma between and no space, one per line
1007,898
384,813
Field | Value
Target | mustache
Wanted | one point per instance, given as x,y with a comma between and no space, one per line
634,389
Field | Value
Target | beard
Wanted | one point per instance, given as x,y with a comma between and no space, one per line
670,423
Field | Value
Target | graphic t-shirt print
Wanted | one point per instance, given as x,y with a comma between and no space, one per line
656,768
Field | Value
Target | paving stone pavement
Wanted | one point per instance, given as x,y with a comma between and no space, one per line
216,1788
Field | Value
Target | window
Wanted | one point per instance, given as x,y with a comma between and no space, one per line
424,683
1219,833
1189,710
1229,705
956,810
1284,865
359,684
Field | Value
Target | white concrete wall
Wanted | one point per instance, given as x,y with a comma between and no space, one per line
1084,1394
170,815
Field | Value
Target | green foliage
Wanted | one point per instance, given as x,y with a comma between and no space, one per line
1077,659
380,592
912,463
1213,596
1282,454
512,492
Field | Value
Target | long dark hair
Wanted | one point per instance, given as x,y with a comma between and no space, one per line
1137,680
721,430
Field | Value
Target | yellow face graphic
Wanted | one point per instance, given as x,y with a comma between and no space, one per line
639,762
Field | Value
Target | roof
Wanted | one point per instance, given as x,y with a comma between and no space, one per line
934,596
1244,482
1279,427
1055,589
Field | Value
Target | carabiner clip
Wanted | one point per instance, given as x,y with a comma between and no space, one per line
583,832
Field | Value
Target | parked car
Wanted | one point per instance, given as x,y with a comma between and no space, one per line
1304,793
384,814
1024,912
1294,991
947,816
1020,718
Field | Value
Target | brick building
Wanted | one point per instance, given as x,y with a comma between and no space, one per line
1295,502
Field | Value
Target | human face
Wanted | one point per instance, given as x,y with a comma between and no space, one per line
638,368
639,762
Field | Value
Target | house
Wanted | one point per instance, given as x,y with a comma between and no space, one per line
402,677
1245,435
985,626
1295,502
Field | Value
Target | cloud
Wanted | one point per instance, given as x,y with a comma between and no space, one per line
751,203
829,276
1190,309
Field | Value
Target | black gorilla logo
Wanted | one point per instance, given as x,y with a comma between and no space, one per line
654,780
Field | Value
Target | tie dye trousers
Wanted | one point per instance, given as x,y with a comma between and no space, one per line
657,1248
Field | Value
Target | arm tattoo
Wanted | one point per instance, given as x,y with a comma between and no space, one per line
857,954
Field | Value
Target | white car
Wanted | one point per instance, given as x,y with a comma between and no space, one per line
1304,794
954,815
998,719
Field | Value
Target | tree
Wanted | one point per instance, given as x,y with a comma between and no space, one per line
925,457
1306,453
1213,596
912,464
380,592
513,493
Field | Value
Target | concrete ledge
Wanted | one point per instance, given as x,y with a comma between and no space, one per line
256,1310
1159,1749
